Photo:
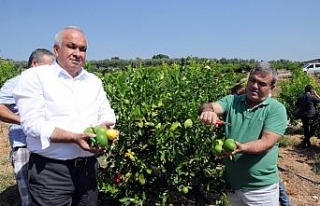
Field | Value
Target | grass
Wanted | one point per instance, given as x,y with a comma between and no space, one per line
316,165
285,141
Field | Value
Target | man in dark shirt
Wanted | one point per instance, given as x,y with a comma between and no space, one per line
306,110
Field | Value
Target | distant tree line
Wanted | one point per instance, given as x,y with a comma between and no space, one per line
116,63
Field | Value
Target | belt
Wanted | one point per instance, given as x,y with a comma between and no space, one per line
16,148
77,162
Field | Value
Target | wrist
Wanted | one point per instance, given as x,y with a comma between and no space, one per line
208,110
208,107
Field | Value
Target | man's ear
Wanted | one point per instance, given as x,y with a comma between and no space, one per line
55,49
34,63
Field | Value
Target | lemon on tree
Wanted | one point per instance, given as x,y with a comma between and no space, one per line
185,189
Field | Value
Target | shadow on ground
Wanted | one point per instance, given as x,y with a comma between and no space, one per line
10,197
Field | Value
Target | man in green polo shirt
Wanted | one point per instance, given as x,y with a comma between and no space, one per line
257,122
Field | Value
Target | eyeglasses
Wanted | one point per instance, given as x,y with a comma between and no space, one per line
260,84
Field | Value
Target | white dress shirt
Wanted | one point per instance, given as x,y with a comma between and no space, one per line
48,97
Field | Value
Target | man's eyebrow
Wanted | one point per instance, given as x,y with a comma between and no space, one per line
74,44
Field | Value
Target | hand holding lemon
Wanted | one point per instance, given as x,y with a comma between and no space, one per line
224,146
103,136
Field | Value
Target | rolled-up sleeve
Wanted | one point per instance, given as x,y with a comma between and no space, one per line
28,95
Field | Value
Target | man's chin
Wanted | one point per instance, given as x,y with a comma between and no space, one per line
254,98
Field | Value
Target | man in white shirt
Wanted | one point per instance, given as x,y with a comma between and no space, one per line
9,114
56,103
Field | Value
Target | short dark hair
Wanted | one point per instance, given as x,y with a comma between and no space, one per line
37,55
308,88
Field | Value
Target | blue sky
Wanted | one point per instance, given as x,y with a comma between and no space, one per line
245,29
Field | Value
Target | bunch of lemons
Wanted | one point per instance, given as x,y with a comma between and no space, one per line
226,145
103,136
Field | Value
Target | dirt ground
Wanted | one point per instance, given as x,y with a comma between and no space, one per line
297,168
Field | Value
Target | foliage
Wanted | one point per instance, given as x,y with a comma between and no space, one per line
160,56
159,59
164,154
284,141
286,65
7,71
316,165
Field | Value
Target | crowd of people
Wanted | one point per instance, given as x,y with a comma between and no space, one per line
48,109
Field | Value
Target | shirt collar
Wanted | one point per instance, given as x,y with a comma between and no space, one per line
263,103
60,71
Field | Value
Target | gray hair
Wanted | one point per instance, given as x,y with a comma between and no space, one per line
37,56
58,37
266,68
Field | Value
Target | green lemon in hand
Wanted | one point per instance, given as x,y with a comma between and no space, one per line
89,130
229,145
218,142
217,150
100,129
102,139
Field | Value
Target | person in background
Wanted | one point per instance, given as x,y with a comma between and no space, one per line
56,103
306,110
283,196
9,114
237,89
257,122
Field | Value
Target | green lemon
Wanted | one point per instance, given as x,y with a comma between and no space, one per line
142,180
92,141
218,142
102,139
174,126
100,129
217,150
188,123
185,189
89,130
229,145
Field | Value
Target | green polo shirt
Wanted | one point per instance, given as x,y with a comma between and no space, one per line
252,171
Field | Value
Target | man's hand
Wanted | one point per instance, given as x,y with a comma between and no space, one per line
208,113
107,124
82,141
209,117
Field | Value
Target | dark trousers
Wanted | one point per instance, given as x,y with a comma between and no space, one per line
63,183
308,130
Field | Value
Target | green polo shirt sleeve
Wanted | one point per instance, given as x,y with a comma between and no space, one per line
276,118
